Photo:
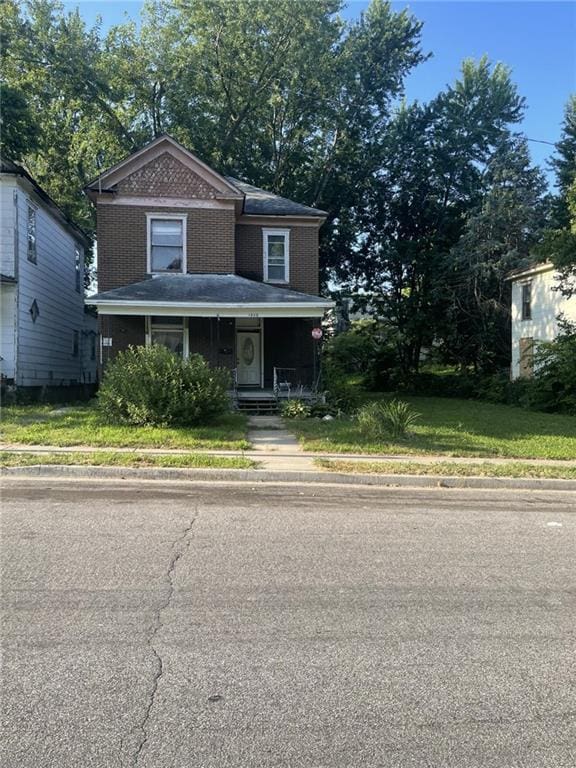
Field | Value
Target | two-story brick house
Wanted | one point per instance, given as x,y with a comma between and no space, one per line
206,263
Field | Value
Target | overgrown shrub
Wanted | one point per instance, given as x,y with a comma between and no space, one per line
383,419
153,386
295,409
553,387
341,393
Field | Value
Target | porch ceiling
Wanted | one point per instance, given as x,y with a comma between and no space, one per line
207,295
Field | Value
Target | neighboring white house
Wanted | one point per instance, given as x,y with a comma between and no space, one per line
536,306
46,337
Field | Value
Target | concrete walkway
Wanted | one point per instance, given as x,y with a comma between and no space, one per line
274,446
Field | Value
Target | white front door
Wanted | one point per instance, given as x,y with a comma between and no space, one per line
248,358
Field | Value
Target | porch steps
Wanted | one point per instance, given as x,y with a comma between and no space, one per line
258,405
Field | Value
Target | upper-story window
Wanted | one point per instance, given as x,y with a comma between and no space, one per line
276,255
78,267
166,243
31,233
526,301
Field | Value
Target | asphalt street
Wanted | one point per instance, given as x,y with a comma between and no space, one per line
152,625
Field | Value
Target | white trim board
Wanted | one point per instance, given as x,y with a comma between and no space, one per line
107,307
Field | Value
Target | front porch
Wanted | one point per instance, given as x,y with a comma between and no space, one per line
264,337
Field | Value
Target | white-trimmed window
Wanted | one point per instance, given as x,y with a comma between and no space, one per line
31,233
170,332
166,242
527,301
276,255
78,266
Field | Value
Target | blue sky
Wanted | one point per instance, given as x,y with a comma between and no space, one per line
536,39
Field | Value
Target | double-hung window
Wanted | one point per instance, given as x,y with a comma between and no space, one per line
166,243
31,232
276,255
170,332
78,267
526,301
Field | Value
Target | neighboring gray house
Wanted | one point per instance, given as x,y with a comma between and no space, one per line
47,339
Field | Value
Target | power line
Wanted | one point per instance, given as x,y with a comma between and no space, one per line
541,141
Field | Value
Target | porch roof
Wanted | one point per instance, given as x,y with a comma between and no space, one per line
207,295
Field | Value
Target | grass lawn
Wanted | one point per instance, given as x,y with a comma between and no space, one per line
111,459
450,469
84,425
454,427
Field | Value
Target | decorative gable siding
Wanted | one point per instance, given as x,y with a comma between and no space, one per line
547,304
303,255
166,176
122,242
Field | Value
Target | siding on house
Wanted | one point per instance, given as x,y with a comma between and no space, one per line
8,187
7,330
45,352
546,305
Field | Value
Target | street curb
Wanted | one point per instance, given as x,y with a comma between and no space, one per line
271,476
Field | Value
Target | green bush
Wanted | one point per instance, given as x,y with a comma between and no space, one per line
153,386
295,409
342,395
383,419
553,387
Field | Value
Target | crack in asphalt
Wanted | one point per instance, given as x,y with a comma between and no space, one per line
179,547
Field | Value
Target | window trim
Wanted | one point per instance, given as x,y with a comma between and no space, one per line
183,217
75,343
78,267
523,315
286,233
170,327
31,208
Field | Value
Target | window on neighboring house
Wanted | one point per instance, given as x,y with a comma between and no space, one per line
92,346
31,227
170,332
166,244
78,267
526,362
75,343
276,255
526,301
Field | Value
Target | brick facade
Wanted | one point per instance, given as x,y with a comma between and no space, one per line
166,177
304,267
122,242
215,243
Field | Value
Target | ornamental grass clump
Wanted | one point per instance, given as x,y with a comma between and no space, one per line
385,419
295,409
151,386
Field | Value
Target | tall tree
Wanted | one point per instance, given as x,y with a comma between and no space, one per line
498,234
416,207
559,242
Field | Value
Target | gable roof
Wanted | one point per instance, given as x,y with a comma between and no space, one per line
256,201
260,202
10,168
107,180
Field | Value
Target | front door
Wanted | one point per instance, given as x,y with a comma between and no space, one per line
248,358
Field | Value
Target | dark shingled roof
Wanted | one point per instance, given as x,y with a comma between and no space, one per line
259,202
205,289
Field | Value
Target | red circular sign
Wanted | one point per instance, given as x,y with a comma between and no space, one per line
316,333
